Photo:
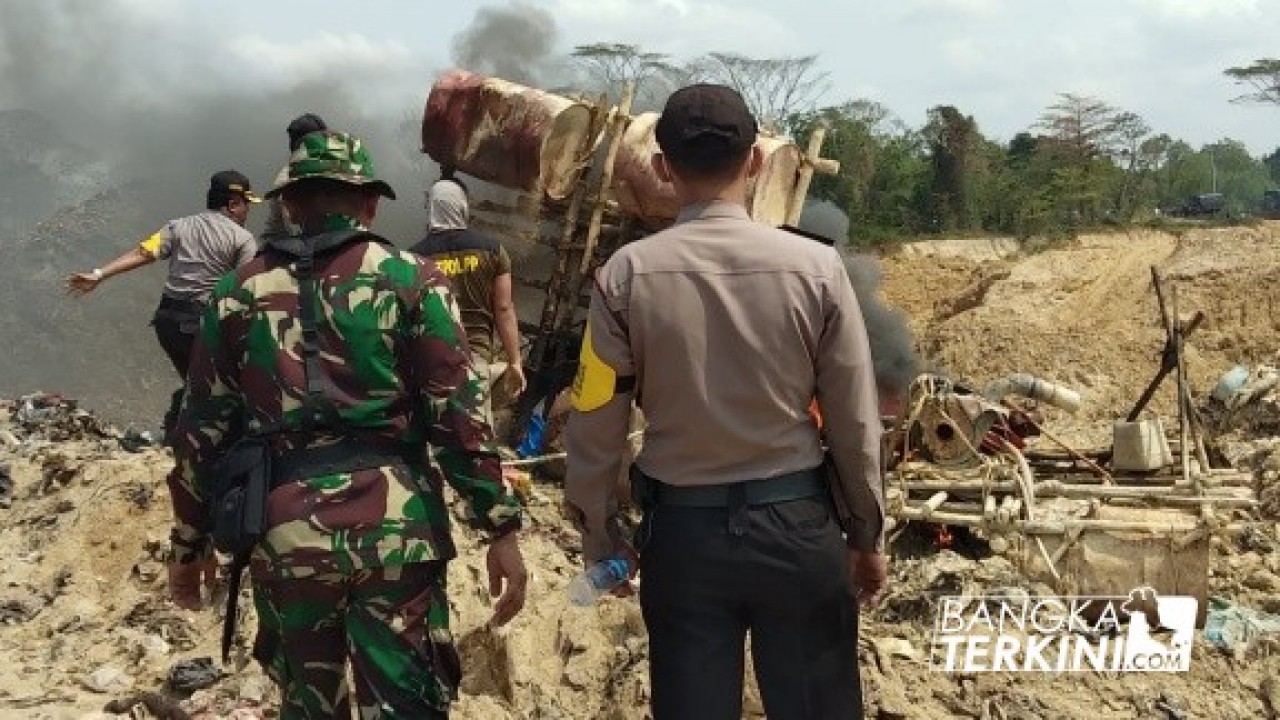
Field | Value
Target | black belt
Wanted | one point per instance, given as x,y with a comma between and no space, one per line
792,486
345,456
179,305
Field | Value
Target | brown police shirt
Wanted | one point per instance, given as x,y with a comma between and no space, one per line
472,262
732,328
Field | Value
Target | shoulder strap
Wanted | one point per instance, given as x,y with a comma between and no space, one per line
318,408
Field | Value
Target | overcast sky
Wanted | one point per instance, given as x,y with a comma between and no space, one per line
1001,61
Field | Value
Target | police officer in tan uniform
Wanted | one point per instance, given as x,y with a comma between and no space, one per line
725,331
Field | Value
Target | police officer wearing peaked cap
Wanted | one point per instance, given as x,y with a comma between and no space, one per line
200,248
725,331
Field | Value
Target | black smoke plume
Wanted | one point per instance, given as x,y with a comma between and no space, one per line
515,43
892,344
147,104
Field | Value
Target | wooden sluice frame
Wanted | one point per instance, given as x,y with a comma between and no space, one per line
591,228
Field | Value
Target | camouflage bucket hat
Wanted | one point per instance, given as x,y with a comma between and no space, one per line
332,155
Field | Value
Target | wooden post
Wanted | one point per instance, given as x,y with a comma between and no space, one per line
1183,432
813,161
559,281
617,126
1184,414
804,178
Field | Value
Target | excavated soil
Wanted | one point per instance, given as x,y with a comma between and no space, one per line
84,624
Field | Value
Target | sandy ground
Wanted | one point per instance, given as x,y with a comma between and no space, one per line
83,620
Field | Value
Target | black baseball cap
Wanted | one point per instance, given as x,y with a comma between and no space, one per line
701,120
232,181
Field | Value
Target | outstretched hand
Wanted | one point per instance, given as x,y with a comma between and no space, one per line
82,283
506,567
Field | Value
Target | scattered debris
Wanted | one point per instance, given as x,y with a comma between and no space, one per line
135,440
6,486
20,606
1233,627
51,418
157,705
108,680
195,674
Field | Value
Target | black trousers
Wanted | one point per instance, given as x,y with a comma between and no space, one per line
177,336
176,326
780,572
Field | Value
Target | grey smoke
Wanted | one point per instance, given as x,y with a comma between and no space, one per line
516,43
147,107
174,115
892,343
825,219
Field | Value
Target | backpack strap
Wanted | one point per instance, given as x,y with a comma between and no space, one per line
318,408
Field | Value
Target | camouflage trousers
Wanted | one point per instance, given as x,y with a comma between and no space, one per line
392,624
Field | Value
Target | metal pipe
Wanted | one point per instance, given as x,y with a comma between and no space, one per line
1036,388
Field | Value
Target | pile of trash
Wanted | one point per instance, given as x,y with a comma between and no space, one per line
89,633
40,419
1243,410
1247,399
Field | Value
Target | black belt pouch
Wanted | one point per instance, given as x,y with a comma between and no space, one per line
242,481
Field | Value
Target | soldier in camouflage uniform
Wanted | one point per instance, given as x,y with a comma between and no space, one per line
353,564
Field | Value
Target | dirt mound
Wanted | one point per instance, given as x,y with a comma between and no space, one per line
84,624
1084,313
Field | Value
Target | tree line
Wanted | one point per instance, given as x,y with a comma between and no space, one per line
1083,164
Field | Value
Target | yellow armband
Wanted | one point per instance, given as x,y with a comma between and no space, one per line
152,245
596,383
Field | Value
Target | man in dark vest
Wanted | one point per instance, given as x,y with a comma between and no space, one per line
479,269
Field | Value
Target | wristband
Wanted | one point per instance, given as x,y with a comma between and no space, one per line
97,274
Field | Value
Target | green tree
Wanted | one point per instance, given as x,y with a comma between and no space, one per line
1262,78
610,66
1238,175
777,89
953,141
1128,132
1272,162
1102,147
1082,126
881,165
1022,148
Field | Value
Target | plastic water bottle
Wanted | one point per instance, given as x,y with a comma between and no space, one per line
597,580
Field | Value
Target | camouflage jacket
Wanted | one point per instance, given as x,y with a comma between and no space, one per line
398,370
